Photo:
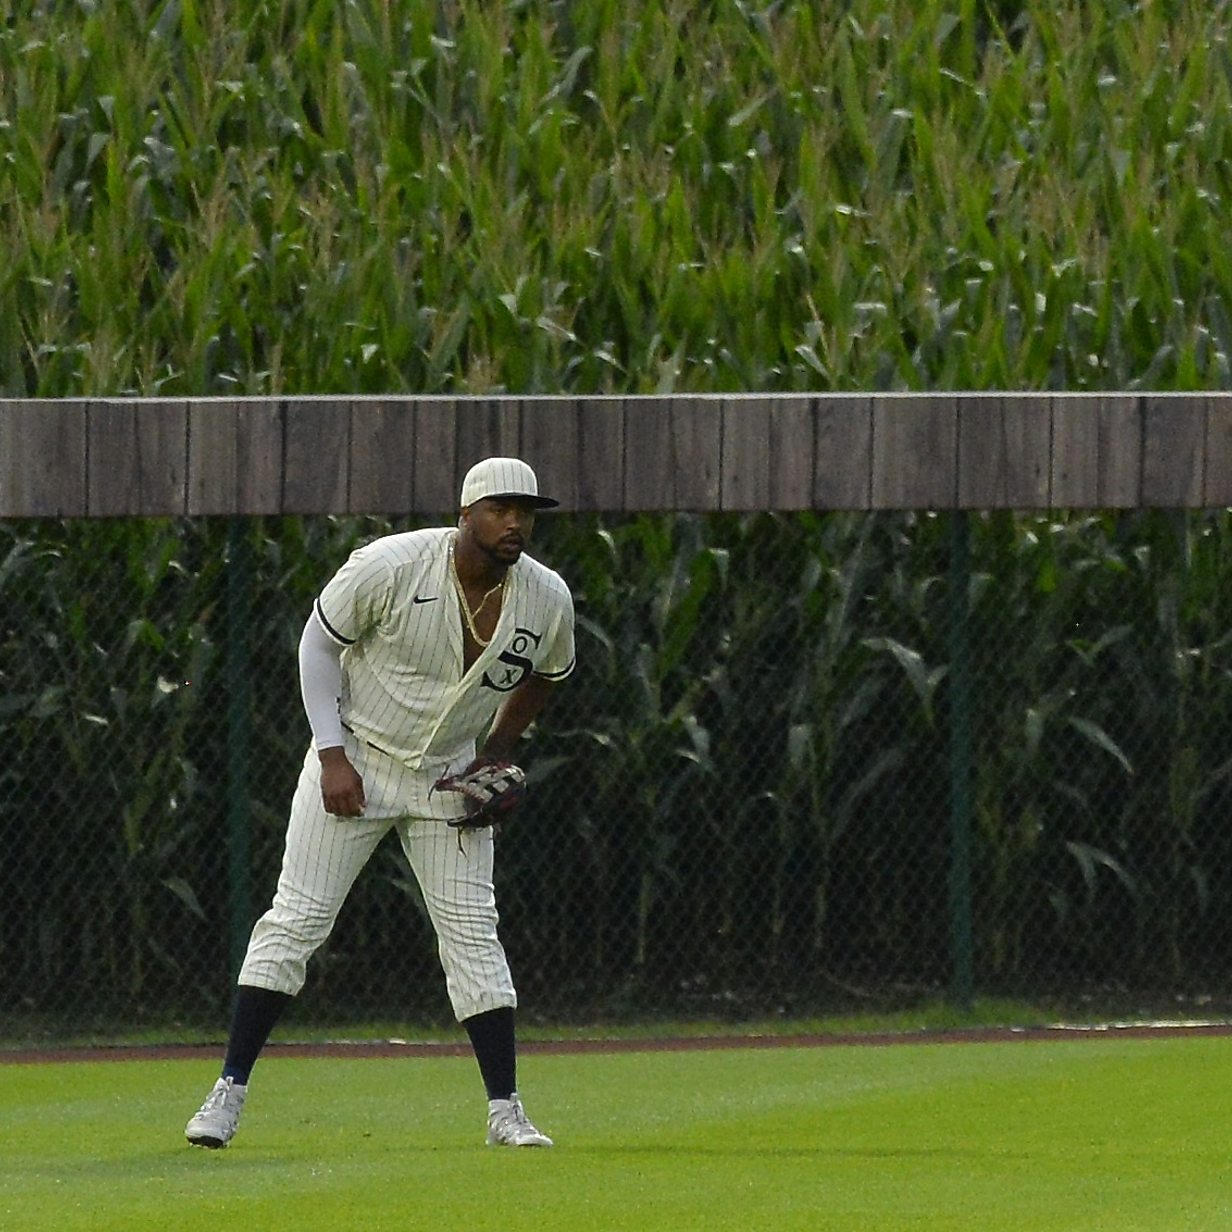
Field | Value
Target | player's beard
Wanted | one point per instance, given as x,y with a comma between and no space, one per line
505,551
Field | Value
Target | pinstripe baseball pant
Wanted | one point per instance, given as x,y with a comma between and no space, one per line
323,856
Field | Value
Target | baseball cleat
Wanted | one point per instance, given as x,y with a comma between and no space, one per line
508,1125
215,1123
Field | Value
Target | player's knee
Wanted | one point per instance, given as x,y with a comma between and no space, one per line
304,917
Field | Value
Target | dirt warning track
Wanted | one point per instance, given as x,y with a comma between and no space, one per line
447,1048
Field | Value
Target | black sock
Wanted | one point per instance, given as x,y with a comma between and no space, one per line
492,1038
256,1012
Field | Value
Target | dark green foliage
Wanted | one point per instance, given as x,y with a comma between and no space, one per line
739,802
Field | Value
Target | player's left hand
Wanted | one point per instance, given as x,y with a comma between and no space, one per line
491,790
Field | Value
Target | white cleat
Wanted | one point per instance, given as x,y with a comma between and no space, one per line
508,1125
215,1123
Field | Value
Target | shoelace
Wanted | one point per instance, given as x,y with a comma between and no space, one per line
217,1098
514,1115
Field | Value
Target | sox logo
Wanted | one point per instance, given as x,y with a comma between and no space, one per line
515,664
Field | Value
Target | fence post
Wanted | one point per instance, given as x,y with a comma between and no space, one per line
960,759
239,735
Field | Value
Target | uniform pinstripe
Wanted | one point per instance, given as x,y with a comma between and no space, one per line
411,714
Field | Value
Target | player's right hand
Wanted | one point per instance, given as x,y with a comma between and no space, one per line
342,790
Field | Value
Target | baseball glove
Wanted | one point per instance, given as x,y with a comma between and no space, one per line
490,789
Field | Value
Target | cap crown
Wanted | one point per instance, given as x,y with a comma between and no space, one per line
502,477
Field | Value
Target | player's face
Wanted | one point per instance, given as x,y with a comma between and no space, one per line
500,527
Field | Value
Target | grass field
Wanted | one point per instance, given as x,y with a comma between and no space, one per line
1125,1134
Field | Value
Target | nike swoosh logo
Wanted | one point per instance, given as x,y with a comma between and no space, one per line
426,598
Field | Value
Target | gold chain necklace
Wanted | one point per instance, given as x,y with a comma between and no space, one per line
467,614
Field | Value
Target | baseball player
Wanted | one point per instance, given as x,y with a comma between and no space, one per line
417,646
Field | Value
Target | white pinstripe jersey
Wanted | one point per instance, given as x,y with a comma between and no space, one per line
395,609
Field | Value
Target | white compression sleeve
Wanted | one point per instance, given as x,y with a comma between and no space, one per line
320,683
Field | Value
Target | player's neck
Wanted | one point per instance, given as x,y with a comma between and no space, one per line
476,568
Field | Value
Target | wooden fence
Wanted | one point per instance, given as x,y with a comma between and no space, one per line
323,455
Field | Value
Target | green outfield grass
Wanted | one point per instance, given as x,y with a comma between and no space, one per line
1123,1134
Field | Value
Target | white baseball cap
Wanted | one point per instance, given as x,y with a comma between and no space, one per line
494,477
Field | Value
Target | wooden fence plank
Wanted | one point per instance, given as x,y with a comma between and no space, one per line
138,459
915,443
382,456
843,452
767,453
436,479
487,428
1217,491
745,478
1173,452
317,455
42,459
601,454
112,427
672,453
162,457
697,442
1004,452
550,443
213,458
1096,451
234,456
649,463
792,453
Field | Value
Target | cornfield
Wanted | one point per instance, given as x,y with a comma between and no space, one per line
207,197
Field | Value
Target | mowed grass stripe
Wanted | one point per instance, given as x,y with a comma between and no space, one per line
1124,1134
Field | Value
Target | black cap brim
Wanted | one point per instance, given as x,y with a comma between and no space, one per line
539,502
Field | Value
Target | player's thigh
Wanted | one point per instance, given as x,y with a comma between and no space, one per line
324,854
454,873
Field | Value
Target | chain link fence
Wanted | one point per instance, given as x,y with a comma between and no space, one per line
744,802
